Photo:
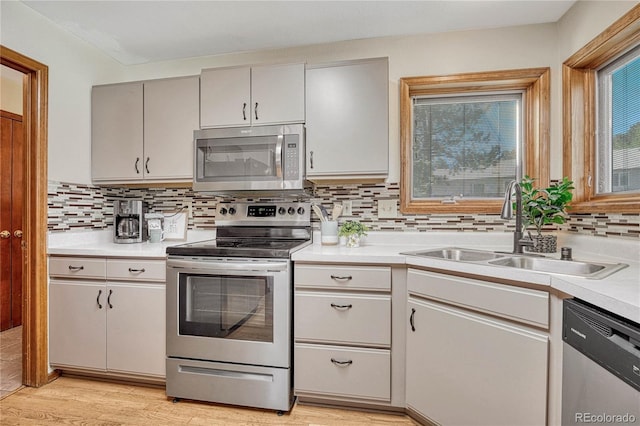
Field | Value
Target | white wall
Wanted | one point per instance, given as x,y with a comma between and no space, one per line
584,21
75,66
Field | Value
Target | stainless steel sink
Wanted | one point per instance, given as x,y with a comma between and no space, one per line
459,254
533,262
564,267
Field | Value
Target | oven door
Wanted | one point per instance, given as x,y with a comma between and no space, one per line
229,310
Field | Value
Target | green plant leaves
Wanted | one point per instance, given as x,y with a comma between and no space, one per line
545,206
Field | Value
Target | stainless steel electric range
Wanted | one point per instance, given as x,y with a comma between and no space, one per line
229,307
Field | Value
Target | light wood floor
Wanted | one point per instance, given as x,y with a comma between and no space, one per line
10,361
79,401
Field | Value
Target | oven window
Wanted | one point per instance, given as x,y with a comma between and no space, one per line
229,307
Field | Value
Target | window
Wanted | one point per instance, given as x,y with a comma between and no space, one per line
465,146
601,112
464,137
618,134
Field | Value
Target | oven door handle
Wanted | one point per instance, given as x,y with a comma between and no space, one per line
226,266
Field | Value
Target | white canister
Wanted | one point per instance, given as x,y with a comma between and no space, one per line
329,232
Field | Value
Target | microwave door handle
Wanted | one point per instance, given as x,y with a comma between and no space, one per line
279,155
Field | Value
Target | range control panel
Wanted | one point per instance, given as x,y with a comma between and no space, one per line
263,213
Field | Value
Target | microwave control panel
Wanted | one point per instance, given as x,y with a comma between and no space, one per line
291,159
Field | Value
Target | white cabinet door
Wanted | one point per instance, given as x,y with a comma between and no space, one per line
117,132
136,328
463,368
171,114
77,324
277,94
347,120
225,97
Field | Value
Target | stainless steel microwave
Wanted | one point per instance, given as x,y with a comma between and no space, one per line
261,158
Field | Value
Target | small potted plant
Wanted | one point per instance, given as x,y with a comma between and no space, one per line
542,207
353,230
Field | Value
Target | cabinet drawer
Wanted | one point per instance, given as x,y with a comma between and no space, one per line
343,318
77,267
515,303
375,278
346,372
136,270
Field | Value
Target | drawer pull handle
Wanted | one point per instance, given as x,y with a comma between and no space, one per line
349,306
341,363
98,299
76,268
338,277
413,312
109,299
136,271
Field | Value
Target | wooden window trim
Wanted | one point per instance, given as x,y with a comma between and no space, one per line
579,115
533,81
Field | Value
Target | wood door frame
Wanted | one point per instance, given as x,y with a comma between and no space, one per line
35,348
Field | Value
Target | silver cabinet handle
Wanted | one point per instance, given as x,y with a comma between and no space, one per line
136,271
76,268
338,277
349,306
341,363
98,299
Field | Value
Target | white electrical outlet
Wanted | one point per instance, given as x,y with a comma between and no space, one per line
346,208
387,209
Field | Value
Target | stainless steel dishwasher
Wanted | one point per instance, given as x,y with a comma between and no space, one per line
601,367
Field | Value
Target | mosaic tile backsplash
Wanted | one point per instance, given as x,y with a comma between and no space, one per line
73,206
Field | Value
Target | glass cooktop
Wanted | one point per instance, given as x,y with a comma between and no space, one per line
250,247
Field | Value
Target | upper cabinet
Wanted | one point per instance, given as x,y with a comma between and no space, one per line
170,117
117,132
143,131
244,96
347,120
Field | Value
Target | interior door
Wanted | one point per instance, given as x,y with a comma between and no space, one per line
11,219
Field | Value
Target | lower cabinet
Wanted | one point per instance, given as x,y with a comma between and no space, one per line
466,367
107,325
343,371
342,331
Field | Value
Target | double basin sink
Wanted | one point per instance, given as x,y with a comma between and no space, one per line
591,270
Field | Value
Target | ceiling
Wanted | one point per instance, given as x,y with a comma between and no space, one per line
136,32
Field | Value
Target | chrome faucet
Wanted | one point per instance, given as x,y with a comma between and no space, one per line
507,213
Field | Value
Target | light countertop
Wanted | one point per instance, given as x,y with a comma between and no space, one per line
618,293
100,243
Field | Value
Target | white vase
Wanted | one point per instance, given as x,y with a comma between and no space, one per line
353,240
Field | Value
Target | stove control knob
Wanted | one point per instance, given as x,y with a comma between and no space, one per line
291,210
300,210
223,211
232,210
282,210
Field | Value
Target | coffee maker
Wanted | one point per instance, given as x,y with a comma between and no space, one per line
128,220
